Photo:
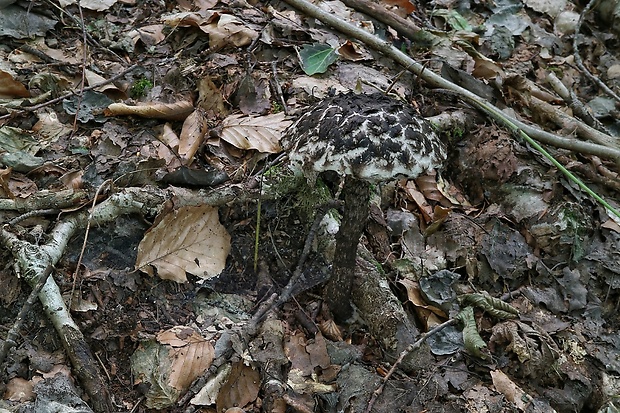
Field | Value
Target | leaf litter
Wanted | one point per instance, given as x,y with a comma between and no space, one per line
509,225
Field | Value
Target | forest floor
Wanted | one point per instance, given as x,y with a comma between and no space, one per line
135,146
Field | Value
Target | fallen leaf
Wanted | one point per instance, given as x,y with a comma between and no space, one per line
192,135
169,111
262,133
190,239
241,388
11,88
226,29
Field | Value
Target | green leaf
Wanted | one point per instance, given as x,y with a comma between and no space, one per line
316,58
454,19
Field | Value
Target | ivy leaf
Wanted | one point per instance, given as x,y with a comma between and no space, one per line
316,58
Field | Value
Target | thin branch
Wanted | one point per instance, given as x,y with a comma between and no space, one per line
68,95
13,333
411,348
435,80
591,4
287,292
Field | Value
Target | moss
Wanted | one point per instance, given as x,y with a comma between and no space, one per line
276,107
306,198
140,87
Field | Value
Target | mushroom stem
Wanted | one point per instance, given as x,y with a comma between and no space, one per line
356,194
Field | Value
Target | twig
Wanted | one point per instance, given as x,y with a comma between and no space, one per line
278,88
37,213
411,348
68,95
575,104
591,4
79,262
83,80
402,26
13,333
287,292
91,39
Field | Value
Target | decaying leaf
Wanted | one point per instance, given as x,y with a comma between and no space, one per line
190,239
10,88
192,135
494,306
170,364
227,29
190,353
210,98
240,389
428,314
261,133
223,29
510,390
474,344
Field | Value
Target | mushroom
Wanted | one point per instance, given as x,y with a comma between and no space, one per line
368,139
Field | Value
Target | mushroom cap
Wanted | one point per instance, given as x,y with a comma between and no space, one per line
373,138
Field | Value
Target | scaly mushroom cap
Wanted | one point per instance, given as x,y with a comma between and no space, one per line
373,138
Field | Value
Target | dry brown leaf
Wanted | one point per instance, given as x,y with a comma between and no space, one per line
330,329
191,355
296,351
109,89
97,5
49,129
428,186
11,88
210,98
485,68
169,138
193,19
240,389
223,29
190,239
167,147
226,29
262,133
611,225
510,390
169,111
353,51
19,390
150,35
405,5
428,314
414,194
73,179
192,135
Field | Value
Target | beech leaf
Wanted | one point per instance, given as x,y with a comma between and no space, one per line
190,239
255,132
